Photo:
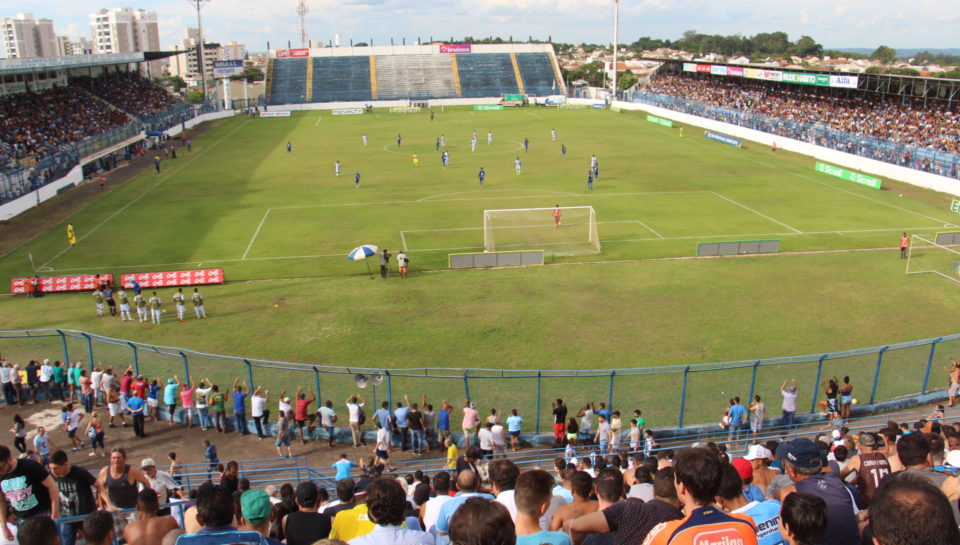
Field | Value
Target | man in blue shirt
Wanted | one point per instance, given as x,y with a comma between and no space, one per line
738,415
443,422
765,514
383,415
514,423
240,406
403,433
343,467
468,482
136,406
170,398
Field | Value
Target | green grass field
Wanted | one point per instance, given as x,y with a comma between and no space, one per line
280,224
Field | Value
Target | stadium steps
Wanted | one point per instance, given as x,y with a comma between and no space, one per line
486,75
269,82
289,81
539,78
309,94
341,79
373,78
414,77
456,75
557,73
516,73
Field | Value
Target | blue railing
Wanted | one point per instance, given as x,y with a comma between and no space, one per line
915,157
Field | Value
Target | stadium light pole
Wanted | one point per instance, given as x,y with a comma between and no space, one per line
616,41
201,62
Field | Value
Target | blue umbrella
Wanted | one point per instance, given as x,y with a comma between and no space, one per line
363,252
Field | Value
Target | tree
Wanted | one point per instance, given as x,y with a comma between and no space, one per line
195,96
884,54
627,80
806,46
176,82
249,73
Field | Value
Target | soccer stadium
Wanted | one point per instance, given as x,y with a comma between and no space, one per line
722,297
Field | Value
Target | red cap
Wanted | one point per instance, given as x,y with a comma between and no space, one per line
744,468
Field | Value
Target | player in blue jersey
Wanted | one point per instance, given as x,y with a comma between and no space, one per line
590,180
482,174
356,180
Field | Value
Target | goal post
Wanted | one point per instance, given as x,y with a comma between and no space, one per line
926,255
573,233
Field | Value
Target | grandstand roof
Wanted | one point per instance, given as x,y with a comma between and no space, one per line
45,64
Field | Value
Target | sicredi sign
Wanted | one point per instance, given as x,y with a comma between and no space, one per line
848,175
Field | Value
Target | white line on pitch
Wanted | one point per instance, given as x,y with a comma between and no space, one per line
403,239
148,190
257,232
762,215
647,227
533,114
319,117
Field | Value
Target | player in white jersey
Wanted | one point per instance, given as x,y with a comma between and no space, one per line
364,139
516,165
336,167
473,143
593,161
198,304
155,310
443,141
124,306
98,297
141,307
553,134
489,137
179,299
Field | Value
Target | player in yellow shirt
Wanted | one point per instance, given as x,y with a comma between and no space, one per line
416,160
197,300
155,308
124,306
71,234
98,297
179,299
141,307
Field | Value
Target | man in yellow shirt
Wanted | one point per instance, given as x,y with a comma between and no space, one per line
452,454
351,523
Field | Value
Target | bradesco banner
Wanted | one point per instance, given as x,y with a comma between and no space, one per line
59,284
722,138
848,175
660,121
173,278
287,53
487,107
456,48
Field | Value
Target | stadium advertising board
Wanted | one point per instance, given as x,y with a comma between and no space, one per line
572,106
196,277
848,82
718,70
60,284
722,138
405,110
285,113
848,175
288,53
555,100
955,206
487,107
800,78
347,111
225,69
660,121
456,48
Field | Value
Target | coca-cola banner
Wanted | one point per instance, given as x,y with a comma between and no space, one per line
57,284
173,278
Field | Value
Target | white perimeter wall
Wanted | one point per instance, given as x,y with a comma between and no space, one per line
75,176
847,160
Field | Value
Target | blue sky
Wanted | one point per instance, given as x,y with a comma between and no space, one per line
851,23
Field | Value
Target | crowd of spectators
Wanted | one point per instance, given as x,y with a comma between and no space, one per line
129,92
802,111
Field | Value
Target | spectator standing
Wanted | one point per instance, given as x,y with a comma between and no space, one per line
559,425
96,434
284,433
170,398
28,490
187,390
471,417
429,424
229,481
757,412
355,405
443,422
240,406
870,466
343,467
75,486
258,401
74,416
217,405
301,409
430,510
210,456
738,415
19,431
120,480
163,485
514,426
789,406
42,445
499,440
203,403
415,424
400,424
46,375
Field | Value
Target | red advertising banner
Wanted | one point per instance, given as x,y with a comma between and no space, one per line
703,68
455,48
287,53
173,278
60,284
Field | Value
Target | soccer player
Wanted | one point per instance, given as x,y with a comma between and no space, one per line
124,306
289,147
553,134
681,132
179,299
364,136
473,143
563,150
336,167
155,308
356,180
436,147
198,304
556,215
98,297
398,140
416,160
590,180
593,161
71,234
596,170
516,165
526,145
444,157
489,137
156,163
402,263
904,244
481,175
141,307
443,140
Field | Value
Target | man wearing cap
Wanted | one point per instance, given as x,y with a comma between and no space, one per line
745,470
804,466
255,511
306,526
789,393
914,451
765,514
869,465
161,482
758,455
150,527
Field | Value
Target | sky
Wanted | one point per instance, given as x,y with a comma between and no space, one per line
254,23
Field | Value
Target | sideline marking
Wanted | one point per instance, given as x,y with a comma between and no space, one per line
747,208
257,232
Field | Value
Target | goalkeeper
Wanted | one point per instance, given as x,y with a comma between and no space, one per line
556,215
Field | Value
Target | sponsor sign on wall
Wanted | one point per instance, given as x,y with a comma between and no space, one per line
848,175
275,114
660,121
288,53
225,69
456,48
347,111
405,110
722,138
173,278
60,284
800,78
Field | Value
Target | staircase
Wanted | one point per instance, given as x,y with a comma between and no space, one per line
456,75
373,77
308,97
516,73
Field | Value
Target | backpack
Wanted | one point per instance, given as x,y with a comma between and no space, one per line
362,417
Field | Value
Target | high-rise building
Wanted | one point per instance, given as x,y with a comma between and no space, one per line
126,30
25,37
232,51
185,64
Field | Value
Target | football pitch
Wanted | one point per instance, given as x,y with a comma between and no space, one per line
281,223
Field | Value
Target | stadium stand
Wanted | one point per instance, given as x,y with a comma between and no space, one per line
414,77
486,75
129,92
537,72
341,79
289,83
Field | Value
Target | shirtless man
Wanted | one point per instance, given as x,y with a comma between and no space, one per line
954,381
148,529
581,505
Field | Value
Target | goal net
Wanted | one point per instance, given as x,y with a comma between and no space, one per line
926,255
538,228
